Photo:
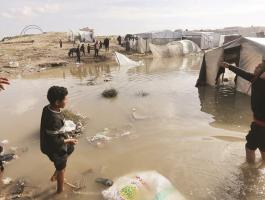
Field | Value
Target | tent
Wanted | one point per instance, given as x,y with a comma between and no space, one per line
246,53
174,49
205,40
224,39
83,35
158,38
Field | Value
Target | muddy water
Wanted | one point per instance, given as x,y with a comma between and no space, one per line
193,137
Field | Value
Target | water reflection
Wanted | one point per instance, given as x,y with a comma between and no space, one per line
96,70
230,109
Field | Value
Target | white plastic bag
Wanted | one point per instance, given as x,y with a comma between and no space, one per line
149,185
69,126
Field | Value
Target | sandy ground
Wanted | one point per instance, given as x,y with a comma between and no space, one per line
34,53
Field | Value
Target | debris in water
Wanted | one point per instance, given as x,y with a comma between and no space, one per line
4,142
137,116
110,93
107,78
104,181
7,180
142,93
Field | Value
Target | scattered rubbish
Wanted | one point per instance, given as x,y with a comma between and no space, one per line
110,93
142,93
100,139
104,181
123,60
19,188
4,142
126,134
91,81
7,180
12,64
107,78
142,185
7,157
52,64
71,185
136,116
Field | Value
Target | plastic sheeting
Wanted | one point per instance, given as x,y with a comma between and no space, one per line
174,49
123,60
148,185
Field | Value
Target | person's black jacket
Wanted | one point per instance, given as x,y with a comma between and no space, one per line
257,92
51,140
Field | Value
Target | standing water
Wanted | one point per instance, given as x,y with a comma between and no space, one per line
195,138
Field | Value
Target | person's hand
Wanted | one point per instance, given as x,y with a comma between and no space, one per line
3,81
71,141
225,65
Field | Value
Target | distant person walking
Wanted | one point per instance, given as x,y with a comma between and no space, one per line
88,48
82,49
78,54
97,47
119,40
256,136
61,43
106,44
128,45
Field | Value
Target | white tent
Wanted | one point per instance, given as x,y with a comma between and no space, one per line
83,35
173,49
205,40
245,52
158,38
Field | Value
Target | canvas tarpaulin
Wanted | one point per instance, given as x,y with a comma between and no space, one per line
251,52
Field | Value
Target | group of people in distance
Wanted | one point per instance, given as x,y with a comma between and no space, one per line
81,49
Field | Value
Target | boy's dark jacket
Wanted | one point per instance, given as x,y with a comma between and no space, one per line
51,140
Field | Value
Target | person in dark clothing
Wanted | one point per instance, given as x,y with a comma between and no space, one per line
3,81
106,44
78,54
128,46
82,49
256,137
100,45
88,48
119,39
53,142
221,72
96,47
61,43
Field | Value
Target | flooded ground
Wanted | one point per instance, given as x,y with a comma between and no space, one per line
193,137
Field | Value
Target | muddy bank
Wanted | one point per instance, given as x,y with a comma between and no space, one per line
35,53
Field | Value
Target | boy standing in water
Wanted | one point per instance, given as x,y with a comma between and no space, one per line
54,143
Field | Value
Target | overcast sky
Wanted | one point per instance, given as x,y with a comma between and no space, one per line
124,16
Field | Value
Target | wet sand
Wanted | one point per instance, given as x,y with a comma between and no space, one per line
193,137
